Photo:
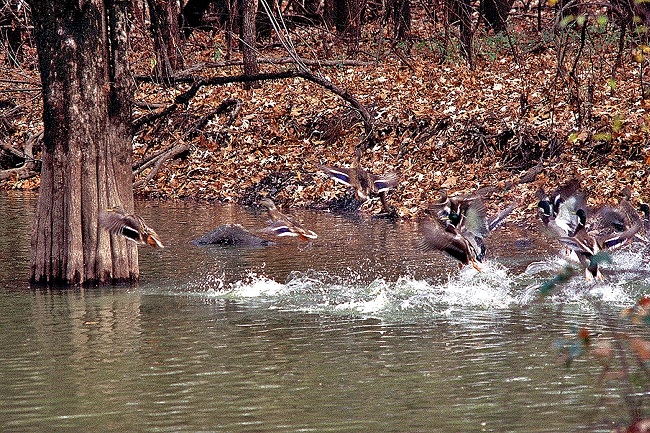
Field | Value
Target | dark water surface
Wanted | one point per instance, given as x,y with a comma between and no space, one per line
355,331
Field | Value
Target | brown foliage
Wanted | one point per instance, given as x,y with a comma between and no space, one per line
434,120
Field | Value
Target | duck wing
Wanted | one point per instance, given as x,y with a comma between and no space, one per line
475,214
619,238
338,174
116,221
434,238
383,182
501,217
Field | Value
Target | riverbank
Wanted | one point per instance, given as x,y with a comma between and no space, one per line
514,123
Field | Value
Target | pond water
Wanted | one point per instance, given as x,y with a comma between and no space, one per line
354,331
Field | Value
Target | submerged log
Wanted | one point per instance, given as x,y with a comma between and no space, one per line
232,235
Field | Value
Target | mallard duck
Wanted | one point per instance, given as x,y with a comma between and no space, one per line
132,227
366,185
587,246
549,206
608,220
447,205
456,242
283,225
458,229
558,211
451,209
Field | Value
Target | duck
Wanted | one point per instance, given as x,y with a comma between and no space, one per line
447,206
587,246
645,210
284,225
456,242
558,211
366,184
458,228
130,226
610,220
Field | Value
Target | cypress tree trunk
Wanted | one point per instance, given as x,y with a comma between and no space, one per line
248,37
401,14
87,142
166,36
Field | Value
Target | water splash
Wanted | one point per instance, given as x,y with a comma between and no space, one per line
407,298
621,285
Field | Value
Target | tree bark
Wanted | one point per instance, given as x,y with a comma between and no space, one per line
496,13
248,37
166,36
401,15
87,148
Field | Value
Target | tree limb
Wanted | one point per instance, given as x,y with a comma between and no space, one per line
171,152
185,97
269,60
159,158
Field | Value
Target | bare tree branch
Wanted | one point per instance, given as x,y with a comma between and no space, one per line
171,152
185,97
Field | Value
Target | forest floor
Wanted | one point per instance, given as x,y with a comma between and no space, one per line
538,109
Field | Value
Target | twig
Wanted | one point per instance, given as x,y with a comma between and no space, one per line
148,118
185,97
147,105
272,61
25,172
171,153
159,158
31,166
12,151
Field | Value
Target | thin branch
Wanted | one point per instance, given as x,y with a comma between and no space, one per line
159,158
268,60
170,153
185,97
25,172
148,118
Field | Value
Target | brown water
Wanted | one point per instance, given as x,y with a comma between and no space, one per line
355,331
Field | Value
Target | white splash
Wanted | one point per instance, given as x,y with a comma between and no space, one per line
254,287
492,290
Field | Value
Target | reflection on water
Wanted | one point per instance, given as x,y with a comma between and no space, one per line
355,331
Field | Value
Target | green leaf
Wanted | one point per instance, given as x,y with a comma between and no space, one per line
567,20
603,136
612,83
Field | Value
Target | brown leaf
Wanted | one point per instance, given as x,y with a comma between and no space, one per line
641,347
